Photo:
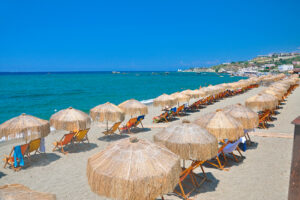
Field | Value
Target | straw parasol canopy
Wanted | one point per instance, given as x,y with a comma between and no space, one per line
277,89
18,191
221,125
247,117
189,141
24,127
180,97
132,107
261,102
70,119
107,112
191,93
133,169
275,93
164,100
201,92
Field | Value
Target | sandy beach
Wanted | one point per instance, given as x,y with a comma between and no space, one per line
263,174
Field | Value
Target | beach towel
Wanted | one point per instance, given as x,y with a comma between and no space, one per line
42,146
230,147
18,156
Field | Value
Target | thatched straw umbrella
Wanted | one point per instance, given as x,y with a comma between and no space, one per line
164,100
180,97
278,89
261,102
189,141
221,125
133,169
107,112
70,119
132,107
191,93
275,93
201,92
18,191
24,127
247,117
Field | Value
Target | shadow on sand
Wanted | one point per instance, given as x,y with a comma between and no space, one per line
209,185
81,147
2,174
113,137
40,159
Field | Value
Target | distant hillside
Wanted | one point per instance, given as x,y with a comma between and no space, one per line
258,62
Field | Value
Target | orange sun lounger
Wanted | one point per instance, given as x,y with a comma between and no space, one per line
63,142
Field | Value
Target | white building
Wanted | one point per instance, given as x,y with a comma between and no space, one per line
285,67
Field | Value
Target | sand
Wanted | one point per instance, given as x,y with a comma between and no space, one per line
263,174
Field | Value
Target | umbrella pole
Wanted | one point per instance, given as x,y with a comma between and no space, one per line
107,125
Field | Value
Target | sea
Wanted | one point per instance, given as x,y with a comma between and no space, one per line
43,94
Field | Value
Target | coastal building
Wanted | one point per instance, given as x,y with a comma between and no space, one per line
296,63
283,68
267,66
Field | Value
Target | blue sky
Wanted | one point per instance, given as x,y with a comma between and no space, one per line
142,35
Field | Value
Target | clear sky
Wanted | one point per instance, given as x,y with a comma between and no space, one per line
62,35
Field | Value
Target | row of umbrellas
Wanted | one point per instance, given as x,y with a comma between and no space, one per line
269,98
184,96
28,127
138,169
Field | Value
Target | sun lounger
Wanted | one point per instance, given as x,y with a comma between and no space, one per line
178,111
162,118
63,142
129,124
33,146
139,120
263,118
230,147
13,161
113,129
81,136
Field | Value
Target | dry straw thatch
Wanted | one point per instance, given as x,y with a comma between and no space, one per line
278,89
189,141
133,169
70,119
107,112
261,102
180,97
24,127
164,100
207,90
201,92
221,125
191,93
275,93
132,107
247,117
18,191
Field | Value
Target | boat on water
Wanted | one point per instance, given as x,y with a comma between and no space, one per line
115,72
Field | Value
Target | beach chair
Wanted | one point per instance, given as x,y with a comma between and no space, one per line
113,129
161,118
263,118
179,109
81,136
10,159
188,172
139,121
33,146
230,147
63,142
129,124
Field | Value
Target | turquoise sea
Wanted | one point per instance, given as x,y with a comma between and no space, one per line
41,94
